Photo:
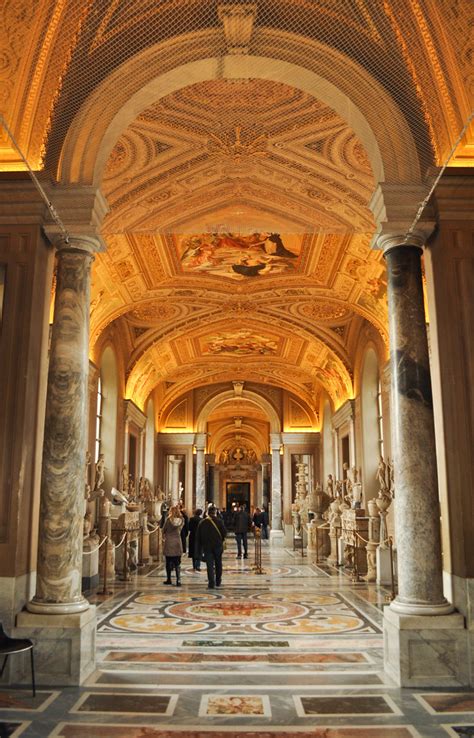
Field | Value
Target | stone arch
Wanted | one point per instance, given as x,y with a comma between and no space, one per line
250,396
130,89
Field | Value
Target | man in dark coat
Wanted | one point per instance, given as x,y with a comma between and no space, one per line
194,554
241,527
210,536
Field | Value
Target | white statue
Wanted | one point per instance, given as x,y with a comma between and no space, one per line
381,475
99,472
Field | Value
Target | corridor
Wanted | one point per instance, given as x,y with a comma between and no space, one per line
294,651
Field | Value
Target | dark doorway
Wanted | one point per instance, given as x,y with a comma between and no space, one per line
237,492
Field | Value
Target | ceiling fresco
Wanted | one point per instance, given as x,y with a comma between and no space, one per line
239,256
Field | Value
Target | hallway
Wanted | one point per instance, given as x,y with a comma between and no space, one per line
295,651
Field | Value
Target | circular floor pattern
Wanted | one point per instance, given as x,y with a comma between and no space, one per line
155,624
243,611
312,600
323,625
160,599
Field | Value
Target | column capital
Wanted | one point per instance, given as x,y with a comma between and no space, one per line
89,244
81,209
275,441
200,440
394,206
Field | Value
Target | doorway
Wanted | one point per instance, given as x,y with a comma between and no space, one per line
237,492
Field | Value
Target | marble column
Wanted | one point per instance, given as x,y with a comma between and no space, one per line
417,519
200,443
276,533
424,640
58,585
175,464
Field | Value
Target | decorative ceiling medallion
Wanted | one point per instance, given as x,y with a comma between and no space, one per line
320,310
155,312
239,256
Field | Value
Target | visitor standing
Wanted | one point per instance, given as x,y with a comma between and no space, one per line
210,537
172,546
241,527
185,528
194,553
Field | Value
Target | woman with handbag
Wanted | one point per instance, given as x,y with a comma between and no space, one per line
172,546
210,538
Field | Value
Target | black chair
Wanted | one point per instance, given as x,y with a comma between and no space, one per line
16,645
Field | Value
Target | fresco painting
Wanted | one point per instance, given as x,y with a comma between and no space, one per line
241,342
239,256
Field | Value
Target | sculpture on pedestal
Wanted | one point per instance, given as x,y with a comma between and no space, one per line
99,472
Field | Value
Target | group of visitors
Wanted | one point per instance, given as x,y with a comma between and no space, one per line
207,536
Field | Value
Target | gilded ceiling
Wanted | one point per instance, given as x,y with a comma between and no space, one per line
238,146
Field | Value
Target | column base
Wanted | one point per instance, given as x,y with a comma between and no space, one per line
277,538
424,650
64,646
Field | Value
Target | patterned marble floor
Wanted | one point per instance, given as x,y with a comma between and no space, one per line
291,653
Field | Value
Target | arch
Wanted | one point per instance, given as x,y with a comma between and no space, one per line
370,378
110,394
253,397
130,89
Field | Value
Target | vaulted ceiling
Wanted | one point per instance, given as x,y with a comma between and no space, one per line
238,146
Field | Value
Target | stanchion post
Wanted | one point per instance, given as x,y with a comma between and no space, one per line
106,556
337,528
125,556
355,577
392,574
317,544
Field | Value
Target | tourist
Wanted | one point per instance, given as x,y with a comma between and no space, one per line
241,527
193,552
210,539
264,524
172,546
185,528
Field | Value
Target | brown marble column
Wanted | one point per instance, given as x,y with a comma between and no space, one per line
58,588
417,517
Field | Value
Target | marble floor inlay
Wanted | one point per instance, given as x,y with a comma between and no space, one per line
294,653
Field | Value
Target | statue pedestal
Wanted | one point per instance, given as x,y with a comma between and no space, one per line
154,539
355,522
90,563
425,650
277,538
384,572
64,646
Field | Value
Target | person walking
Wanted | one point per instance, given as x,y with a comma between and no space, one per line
185,528
210,537
194,553
241,527
264,524
172,546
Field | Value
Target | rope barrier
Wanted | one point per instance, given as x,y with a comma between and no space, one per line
88,553
117,545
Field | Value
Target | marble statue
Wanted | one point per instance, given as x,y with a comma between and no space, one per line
381,475
141,488
147,490
124,478
99,472
330,485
